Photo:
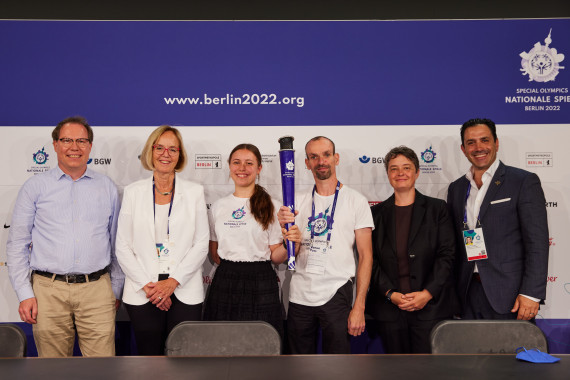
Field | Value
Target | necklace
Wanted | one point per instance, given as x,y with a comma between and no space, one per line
161,193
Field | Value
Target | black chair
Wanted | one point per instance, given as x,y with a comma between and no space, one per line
485,337
253,338
13,341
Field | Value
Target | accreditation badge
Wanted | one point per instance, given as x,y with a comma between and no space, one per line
164,256
474,244
317,260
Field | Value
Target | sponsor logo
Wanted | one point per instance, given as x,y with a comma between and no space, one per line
539,159
208,161
374,160
3,264
268,158
428,155
372,203
207,280
551,204
40,159
239,213
551,278
6,225
541,63
290,165
551,242
100,161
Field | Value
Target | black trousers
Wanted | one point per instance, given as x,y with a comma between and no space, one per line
407,334
152,325
303,322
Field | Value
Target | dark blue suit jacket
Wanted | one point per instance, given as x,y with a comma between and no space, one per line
516,238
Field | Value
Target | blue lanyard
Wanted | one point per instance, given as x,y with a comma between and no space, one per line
169,208
329,224
477,223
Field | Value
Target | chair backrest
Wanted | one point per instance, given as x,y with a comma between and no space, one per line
13,341
251,338
485,336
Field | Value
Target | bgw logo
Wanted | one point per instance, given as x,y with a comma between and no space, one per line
99,161
375,160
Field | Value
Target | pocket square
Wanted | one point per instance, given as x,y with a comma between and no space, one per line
500,201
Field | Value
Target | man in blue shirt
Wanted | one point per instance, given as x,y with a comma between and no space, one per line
60,250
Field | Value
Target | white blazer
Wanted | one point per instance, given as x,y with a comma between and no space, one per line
136,244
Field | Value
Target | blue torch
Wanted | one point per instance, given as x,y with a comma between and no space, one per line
287,159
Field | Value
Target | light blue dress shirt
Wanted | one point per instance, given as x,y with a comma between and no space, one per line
63,226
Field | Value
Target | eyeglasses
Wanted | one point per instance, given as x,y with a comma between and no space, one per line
82,143
159,149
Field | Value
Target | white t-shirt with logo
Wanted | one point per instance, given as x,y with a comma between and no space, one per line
315,281
240,237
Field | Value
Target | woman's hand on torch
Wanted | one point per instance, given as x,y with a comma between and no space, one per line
285,216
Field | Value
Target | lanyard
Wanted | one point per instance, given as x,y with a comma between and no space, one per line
477,223
169,208
329,224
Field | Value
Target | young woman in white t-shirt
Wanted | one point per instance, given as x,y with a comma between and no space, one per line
245,240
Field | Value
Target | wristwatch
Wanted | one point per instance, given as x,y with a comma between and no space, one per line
389,295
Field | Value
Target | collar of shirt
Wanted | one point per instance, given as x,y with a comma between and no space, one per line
58,173
486,176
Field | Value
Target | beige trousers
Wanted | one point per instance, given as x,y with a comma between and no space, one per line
64,308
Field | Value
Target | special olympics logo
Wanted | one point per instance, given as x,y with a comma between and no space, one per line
290,165
40,157
239,213
319,226
364,159
320,223
541,63
428,155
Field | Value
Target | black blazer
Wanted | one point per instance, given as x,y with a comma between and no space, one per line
431,252
515,229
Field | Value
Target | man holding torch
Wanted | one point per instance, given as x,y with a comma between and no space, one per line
331,217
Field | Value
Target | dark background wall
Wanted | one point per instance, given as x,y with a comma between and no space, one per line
282,10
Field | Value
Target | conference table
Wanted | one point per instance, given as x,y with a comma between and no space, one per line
314,367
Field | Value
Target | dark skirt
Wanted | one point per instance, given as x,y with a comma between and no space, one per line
245,291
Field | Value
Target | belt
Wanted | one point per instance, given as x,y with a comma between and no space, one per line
73,278
476,277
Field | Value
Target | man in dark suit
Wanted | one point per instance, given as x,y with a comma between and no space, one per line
413,242
508,280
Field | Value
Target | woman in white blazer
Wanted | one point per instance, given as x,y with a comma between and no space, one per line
162,242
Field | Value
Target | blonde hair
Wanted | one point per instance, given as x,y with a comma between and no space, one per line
146,154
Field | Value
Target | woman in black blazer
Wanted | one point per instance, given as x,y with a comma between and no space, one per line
411,288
